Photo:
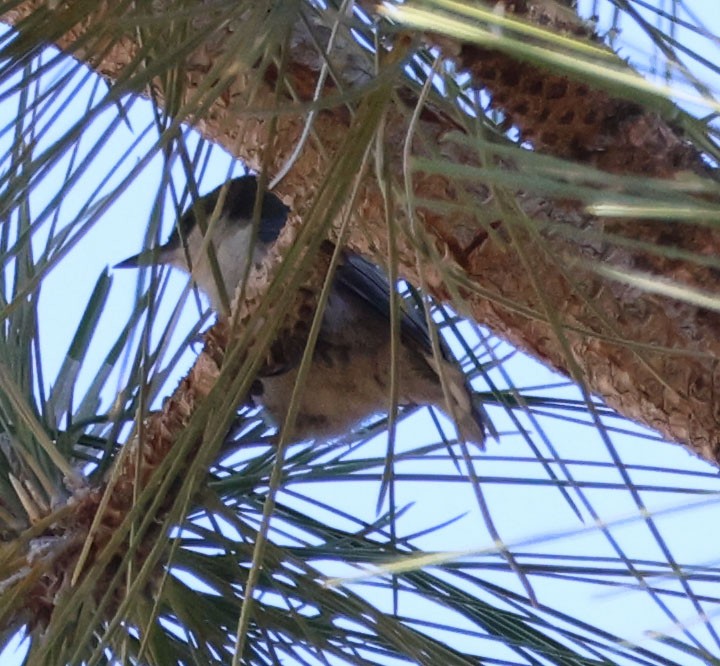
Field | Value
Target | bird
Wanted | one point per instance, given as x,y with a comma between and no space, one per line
350,374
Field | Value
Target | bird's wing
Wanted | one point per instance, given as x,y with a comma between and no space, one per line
367,282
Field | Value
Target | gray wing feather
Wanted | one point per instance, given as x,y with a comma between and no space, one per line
368,283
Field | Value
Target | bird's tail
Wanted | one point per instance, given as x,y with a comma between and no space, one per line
472,425
464,410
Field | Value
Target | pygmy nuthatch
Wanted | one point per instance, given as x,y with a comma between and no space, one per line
349,379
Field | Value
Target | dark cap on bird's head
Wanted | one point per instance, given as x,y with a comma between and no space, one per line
238,207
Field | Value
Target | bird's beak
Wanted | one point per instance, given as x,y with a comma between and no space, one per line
145,258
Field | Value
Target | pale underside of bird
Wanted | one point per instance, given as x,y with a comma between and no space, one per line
350,375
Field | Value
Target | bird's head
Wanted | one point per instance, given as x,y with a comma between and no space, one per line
227,233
